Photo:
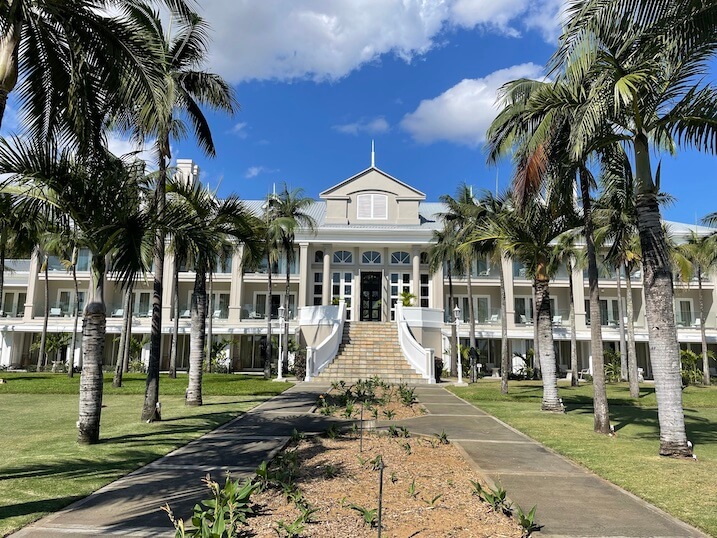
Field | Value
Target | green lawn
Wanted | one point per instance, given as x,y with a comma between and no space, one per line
686,489
43,469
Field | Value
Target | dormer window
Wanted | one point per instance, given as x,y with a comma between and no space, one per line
372,207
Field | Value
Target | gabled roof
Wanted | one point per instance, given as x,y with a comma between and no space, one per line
328,192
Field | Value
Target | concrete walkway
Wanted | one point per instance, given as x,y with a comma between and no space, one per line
130,505
572,502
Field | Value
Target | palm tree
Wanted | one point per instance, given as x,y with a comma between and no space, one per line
98,194
537,118
463,213
701,252
567,252
181,92
443,251
72,64
527,235
291,208
207,225
645,63
496,209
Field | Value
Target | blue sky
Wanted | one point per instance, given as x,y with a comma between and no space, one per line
317,80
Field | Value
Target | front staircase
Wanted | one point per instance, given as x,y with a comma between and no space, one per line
370,349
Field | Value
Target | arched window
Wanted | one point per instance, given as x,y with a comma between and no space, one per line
343,256
400,257
319,256
371,256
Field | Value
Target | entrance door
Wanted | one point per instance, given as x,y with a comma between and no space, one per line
370,296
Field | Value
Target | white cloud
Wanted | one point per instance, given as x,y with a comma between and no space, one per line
463,113
240,129
122,146
254,171
320,40
375,126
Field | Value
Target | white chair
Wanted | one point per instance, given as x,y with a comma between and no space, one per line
185,314
582,373
55,312
217,314
493,319
696,323
640,376
557,320
118,312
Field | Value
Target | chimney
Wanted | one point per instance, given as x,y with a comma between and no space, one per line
187,171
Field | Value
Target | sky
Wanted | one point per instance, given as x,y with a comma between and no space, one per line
318,80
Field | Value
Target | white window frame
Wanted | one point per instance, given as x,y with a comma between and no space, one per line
401,286
463,304
402,260
346,289
318,280
375,211
678,312
14,310
72,299
371,262
427,286
281,302
345,260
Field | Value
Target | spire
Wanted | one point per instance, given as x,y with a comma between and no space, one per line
373,155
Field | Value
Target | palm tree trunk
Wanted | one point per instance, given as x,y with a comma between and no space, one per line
504,356
285,327
471,321
210,324
9,49
659,309
75,315
150,409
703,334
124,338
128,347
43,338
175,328
573,335
633,375
93,337
601,423
454,329
267,359
551,401
197,339
621,326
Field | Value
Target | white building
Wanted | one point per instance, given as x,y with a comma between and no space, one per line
371,244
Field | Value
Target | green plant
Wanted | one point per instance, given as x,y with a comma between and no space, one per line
527,521
412,492
296,435
370,517
394,478
389,414
691,375
136,366
290,530
496,498
407,448
330,471
612,366
349,410
392,431
407,298
442,438
407,395
262,476
222,515
332,432
432,502
377,462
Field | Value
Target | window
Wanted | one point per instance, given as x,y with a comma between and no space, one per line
66,302
400,257
400,283
425,291
342,289
423,258
343,256
143,304
371,257
609,315
318,288
481,307
684,312
372,206
319,256
13,308
219,307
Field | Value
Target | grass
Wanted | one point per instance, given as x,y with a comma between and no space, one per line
684,488
44,469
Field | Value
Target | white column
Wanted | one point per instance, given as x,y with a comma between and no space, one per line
236,286
579,298
326,284
509,296
416,279
32,281
305,279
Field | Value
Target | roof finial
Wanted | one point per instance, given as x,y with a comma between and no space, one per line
373,155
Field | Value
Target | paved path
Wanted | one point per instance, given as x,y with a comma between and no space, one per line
130,505
572,502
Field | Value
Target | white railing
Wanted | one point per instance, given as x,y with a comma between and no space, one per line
420,358
319,357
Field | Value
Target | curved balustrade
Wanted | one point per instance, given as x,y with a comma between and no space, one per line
319,357
420,358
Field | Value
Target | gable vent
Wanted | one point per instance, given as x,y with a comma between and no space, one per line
372,206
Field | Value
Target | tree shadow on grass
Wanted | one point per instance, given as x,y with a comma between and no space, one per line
37,507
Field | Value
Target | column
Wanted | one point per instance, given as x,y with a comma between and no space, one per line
579,298
305,278
416,278
236,285
326,284
438,292
32,280
509,296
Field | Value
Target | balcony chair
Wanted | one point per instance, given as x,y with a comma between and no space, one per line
55,312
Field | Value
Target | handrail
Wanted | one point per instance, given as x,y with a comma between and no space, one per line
319,357
420,358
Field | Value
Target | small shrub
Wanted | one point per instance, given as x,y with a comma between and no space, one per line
442,438
527,521
496,498
370,517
